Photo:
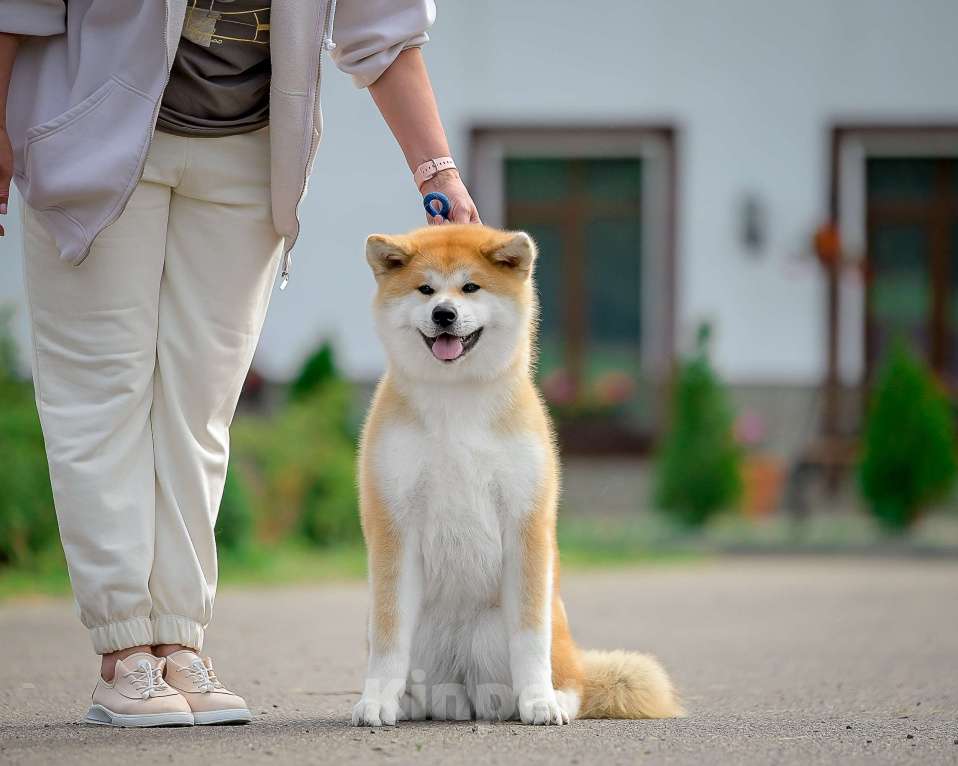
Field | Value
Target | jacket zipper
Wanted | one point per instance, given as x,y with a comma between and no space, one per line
326,44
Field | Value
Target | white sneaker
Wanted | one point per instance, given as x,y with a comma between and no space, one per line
138,696
210,701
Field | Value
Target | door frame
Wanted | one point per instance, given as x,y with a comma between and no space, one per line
852,144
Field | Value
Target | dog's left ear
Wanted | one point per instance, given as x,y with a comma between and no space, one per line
515,250
385,254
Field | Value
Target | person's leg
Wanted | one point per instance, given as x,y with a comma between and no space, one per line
221,261
94,332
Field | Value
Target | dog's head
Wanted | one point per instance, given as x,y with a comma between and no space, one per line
454,302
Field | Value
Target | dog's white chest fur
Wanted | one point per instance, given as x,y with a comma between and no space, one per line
460,486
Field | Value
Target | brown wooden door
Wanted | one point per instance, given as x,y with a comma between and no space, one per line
912,221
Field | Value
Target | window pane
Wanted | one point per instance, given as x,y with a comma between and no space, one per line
539,180
614,179
900,290
614,279
548,275
901,180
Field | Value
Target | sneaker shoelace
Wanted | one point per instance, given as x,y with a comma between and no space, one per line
147,680
204,677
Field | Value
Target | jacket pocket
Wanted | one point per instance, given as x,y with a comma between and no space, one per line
83,161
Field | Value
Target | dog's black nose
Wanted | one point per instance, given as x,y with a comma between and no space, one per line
444,315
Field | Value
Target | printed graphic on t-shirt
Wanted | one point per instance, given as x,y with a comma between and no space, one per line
213,22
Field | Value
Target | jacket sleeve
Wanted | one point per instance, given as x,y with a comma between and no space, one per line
42,18
370,34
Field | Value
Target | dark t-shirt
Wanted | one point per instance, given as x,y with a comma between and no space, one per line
219,83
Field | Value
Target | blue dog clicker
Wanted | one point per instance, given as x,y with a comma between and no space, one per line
443,201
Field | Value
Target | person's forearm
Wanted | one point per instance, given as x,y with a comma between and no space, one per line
8,51
405,99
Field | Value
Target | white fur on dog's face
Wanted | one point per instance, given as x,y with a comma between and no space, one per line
443,267
403,321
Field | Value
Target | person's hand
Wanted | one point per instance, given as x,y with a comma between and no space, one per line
461,207
6,173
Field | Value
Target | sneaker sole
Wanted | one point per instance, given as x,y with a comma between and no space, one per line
100,716
213,717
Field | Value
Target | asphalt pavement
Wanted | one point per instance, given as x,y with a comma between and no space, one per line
779,661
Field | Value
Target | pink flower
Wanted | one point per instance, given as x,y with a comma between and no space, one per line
750,428
614,387
558,387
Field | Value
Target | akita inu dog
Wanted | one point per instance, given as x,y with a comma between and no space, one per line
459,482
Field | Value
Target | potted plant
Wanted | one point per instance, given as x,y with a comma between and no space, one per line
763,472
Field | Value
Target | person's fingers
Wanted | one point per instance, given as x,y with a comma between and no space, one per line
461,213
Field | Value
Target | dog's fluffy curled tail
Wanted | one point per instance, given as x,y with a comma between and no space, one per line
626,685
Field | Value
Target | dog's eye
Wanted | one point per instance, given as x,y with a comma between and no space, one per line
470,287
425,289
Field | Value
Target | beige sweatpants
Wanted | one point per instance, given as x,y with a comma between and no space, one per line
140,353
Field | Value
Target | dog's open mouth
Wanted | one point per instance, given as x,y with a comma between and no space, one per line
448,348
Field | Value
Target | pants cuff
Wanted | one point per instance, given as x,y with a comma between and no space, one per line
173,629
137,631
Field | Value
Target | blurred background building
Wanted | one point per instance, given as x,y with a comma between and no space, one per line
675,161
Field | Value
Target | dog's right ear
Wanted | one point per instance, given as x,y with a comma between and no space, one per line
386,254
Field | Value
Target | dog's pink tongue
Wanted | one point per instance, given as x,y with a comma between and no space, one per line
447,347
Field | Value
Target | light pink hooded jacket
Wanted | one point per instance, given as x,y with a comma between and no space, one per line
88,79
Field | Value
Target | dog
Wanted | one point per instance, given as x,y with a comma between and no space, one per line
459,485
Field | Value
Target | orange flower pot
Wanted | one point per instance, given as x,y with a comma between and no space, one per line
763,478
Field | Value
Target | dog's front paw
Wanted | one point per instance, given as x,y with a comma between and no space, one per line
542,710
370,711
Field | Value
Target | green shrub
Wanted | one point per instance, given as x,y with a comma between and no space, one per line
699,468
908,455
8,347
301,468
234,523
318,371
27,520
330,511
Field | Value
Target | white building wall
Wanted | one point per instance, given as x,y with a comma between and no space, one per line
753,87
